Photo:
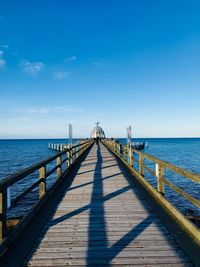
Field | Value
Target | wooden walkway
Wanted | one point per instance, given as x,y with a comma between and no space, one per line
103,220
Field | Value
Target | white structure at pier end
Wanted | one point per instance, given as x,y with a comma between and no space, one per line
97,132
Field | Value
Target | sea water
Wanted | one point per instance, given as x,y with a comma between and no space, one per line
15,155
182,152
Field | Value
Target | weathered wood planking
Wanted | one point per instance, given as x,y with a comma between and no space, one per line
103,220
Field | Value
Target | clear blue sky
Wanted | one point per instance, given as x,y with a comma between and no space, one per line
119,62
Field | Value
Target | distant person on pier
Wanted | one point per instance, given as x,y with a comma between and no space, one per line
97,140
97,134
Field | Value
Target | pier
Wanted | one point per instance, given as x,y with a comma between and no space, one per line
100,211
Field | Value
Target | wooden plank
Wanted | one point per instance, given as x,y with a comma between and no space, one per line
104,254
135,247
141,243
142,261
104,220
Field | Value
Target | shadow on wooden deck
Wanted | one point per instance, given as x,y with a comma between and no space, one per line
96,207
97,220
20,248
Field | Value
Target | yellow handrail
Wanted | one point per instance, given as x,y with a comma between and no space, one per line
69,155
160,166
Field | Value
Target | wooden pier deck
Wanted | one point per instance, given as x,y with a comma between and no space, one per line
104,220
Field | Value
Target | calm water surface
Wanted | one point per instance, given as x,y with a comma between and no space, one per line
182,152
16,155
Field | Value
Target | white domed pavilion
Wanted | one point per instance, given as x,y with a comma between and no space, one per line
97,132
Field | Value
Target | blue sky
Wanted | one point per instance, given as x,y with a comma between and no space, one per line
119,62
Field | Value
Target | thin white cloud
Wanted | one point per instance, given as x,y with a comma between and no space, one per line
32,68
37,110
2,60
72,58
47,110
97,63
61,75
2,63
4,46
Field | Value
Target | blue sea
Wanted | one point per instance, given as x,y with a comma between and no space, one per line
16,155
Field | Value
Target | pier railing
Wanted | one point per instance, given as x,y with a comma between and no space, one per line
135,161
61,163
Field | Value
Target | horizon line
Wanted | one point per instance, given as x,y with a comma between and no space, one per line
61,138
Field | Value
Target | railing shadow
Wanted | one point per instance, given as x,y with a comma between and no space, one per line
97,217
94,169
88,183
96,211
21,250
